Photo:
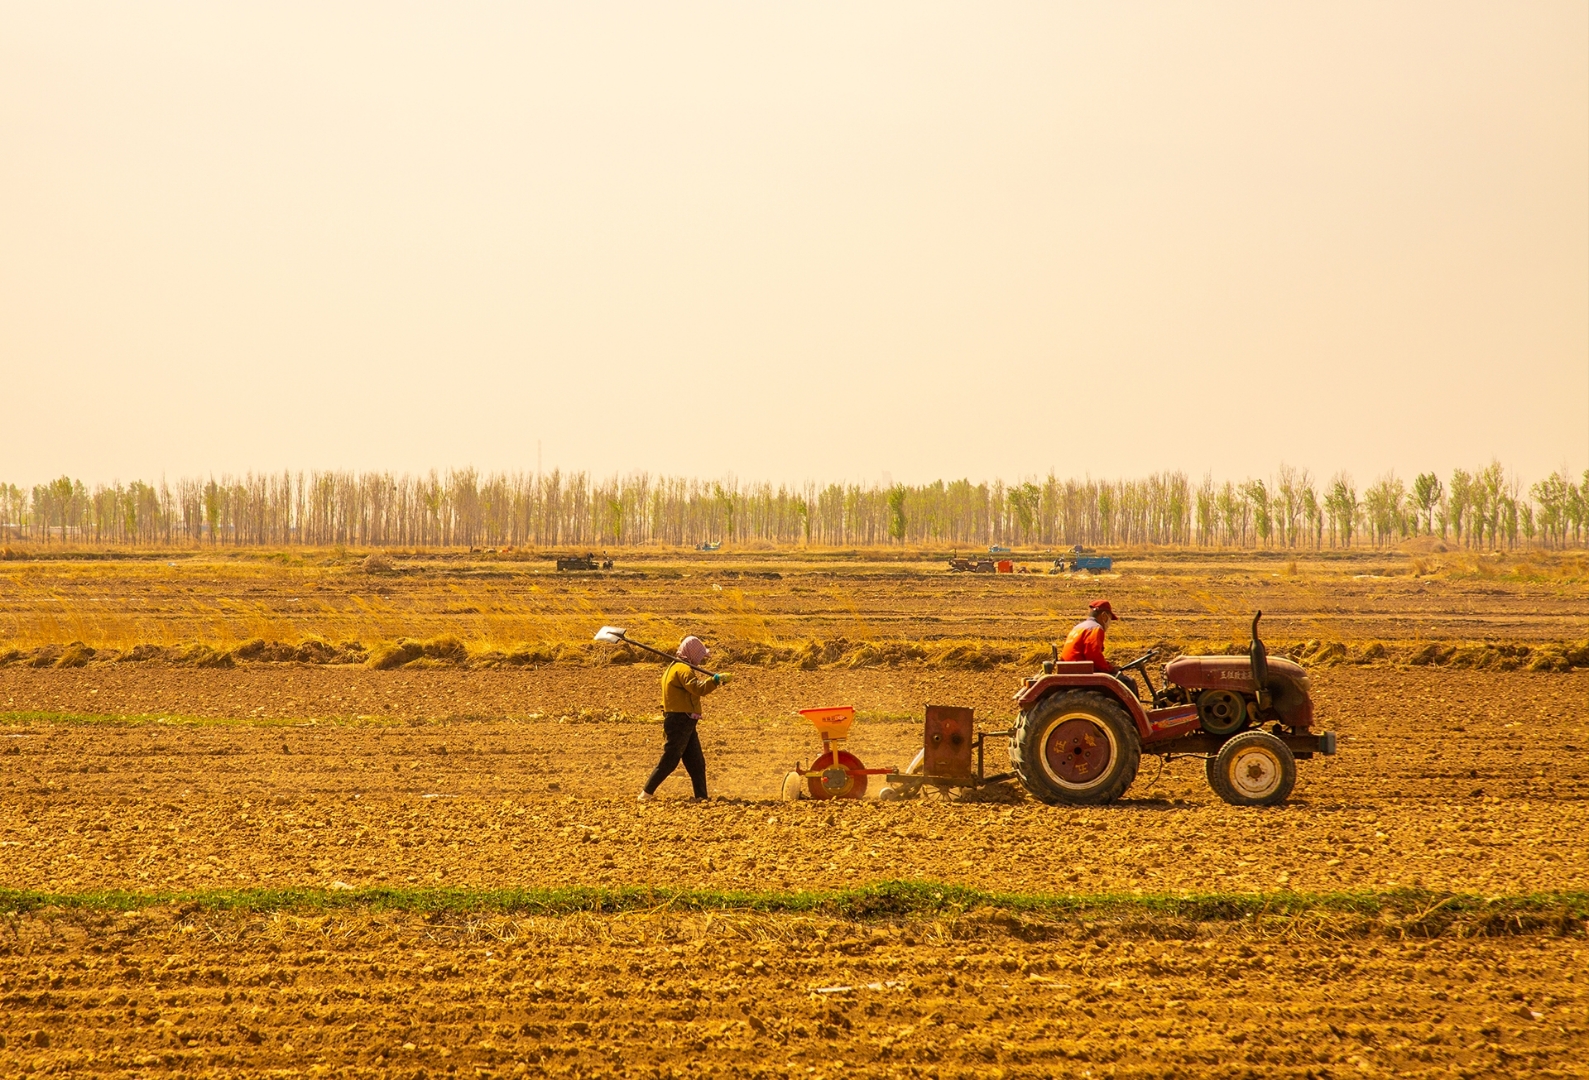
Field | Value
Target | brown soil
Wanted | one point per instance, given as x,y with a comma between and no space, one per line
174,992
301,774
1465,781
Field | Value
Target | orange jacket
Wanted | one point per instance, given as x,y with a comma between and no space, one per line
1086,643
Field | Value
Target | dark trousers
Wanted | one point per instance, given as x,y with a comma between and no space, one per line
1131,683
680,743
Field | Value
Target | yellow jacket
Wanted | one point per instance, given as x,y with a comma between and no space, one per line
683,688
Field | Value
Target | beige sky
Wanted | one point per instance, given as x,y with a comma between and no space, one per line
794,241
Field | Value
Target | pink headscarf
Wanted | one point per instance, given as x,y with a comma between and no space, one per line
692,650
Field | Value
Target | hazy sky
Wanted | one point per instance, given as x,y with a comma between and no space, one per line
793,241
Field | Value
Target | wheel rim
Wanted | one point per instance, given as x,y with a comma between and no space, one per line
1077,750
1221,711
1255,772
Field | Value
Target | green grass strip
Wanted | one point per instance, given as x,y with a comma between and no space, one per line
67,719
888,899
350,720
79,719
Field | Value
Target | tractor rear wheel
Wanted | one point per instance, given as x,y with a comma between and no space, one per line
1075,747
1253,769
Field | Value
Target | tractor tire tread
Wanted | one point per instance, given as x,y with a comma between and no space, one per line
1217,769
1029,769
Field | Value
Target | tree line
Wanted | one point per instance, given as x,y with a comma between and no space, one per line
1487,507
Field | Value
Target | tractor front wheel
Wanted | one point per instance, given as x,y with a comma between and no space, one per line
1075,747
1253,769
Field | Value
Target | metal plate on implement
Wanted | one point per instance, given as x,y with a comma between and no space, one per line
947,741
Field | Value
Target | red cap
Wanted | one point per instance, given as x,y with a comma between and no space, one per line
1102,605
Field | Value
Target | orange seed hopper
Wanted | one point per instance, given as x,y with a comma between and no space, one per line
832,722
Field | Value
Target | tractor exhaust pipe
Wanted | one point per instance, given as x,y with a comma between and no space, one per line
1258,657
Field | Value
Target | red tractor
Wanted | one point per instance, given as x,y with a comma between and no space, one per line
1081,733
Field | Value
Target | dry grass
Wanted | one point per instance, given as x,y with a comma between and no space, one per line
813,609
1537,567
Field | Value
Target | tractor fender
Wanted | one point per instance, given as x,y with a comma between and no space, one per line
1037,687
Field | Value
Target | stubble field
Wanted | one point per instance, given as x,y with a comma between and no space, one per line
283,867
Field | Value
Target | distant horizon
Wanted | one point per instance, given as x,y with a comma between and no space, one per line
470,507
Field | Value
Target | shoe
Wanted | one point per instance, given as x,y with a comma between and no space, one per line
644,796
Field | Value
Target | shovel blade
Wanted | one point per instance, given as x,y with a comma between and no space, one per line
610,634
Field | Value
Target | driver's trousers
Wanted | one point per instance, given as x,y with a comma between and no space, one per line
1131,683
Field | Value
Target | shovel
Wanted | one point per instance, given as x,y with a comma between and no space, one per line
614,635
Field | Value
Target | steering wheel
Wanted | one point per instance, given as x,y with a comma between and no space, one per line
1139,661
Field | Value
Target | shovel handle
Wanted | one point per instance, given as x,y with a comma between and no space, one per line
668,656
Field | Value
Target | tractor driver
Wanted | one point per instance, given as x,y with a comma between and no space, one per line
1085,642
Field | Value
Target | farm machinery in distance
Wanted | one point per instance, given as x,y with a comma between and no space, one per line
1080,734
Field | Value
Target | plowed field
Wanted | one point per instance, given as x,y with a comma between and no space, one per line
147,811
178,992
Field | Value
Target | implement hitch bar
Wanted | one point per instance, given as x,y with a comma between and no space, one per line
1201,743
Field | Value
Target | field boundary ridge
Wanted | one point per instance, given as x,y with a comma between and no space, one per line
1402,912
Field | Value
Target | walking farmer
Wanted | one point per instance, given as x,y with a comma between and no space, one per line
683,686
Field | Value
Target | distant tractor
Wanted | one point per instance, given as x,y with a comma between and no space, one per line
587,561
972,566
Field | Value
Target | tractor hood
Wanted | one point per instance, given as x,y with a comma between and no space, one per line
1288,683
1229,673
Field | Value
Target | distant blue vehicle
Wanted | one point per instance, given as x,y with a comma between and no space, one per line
995,549
709,546
1092,563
